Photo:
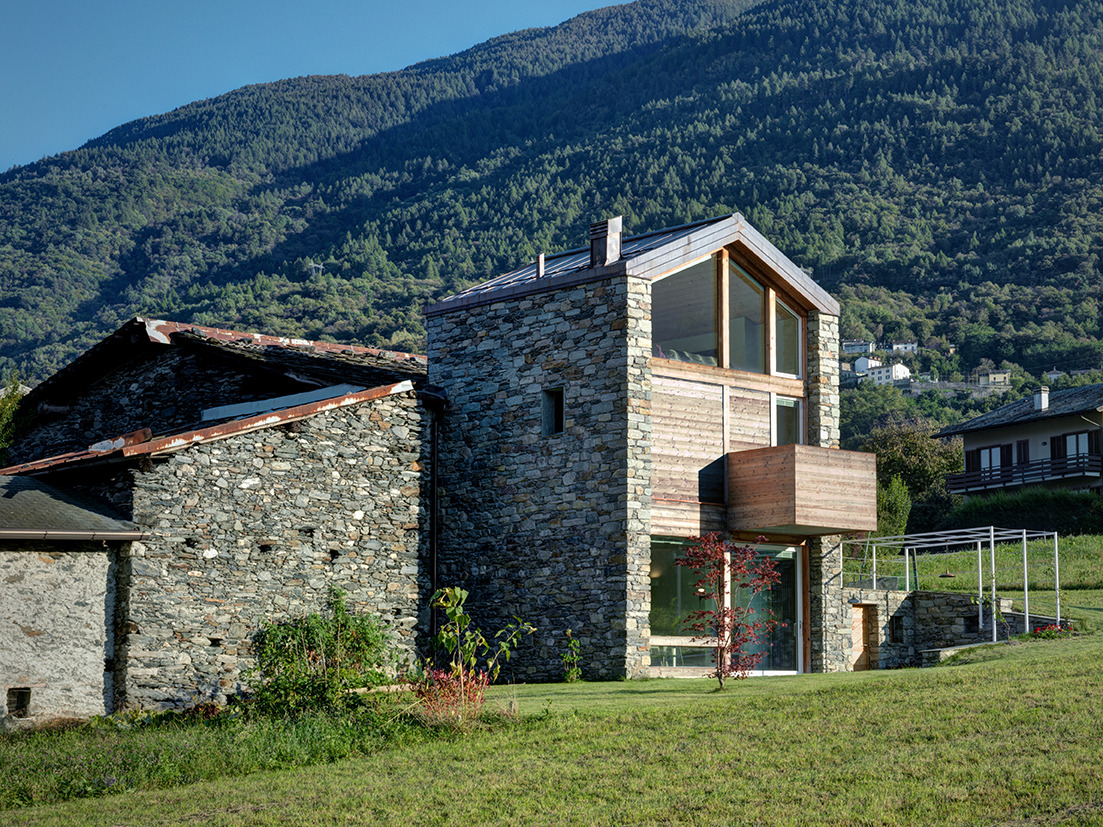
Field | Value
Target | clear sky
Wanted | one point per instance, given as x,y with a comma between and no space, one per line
70,70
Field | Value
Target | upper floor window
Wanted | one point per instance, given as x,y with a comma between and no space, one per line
714,312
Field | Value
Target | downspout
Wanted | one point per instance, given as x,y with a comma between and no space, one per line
436,403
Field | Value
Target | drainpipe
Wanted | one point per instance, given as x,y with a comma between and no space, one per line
436,404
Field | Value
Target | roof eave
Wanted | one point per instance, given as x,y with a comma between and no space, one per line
50,534
176,442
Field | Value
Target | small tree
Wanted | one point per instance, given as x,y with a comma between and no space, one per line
894,504
457,693
730,577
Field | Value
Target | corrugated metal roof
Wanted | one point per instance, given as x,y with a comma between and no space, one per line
1067,402
567,264
31,509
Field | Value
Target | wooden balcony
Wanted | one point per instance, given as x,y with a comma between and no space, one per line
1082,467
802,490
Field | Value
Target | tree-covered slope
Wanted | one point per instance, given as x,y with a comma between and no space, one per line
937,166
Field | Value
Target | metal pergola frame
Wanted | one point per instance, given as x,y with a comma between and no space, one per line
962,539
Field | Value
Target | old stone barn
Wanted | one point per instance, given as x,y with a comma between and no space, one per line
576,421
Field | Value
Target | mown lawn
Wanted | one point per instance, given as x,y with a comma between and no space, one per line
1004,735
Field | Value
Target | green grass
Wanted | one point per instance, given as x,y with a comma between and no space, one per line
1006,735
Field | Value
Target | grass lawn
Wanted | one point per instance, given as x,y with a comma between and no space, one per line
1004,735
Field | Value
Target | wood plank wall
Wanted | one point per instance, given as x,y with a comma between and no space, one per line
692,430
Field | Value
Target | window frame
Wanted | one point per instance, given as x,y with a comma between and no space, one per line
773,295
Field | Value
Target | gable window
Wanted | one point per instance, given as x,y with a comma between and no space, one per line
787,334
685,329
716,313
746,323
552,412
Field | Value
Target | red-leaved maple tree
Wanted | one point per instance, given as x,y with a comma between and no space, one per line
730,625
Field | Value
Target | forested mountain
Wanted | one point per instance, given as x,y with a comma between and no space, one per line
936,165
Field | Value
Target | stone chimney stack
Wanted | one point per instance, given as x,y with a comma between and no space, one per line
605,241
1041,398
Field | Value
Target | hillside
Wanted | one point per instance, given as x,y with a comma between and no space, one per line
937,166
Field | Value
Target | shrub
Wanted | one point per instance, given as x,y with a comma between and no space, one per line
457,693
313,662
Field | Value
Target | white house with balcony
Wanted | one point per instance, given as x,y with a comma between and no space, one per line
1050,438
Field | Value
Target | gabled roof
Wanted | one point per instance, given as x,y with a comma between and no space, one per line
644,256
280,354
32,510
1067,402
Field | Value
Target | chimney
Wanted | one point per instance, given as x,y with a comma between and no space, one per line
605,241
1041,398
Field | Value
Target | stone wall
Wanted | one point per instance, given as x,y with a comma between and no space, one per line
830,620
910,623
823,380
257,528
56,606
135,395
552,528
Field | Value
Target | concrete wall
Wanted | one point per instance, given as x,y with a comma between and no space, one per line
257,528
554,529
57,605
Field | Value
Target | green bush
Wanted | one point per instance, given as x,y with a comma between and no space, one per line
1045,509
312,663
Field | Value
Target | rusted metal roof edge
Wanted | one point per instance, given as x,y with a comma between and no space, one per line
160,331
52,534
176,442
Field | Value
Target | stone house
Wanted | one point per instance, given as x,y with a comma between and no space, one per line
258,473
576,422
608,403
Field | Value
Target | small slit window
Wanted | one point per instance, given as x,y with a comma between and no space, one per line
552,411
19,702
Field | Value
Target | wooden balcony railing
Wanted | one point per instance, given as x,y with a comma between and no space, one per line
1027,473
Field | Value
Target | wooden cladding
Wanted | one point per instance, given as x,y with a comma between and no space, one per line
687,440
802,489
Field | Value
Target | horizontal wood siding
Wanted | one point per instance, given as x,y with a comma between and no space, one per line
803,489
687,440
748,419
670,518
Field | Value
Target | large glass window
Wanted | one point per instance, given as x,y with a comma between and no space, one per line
683,315
674,596
787,339
746,327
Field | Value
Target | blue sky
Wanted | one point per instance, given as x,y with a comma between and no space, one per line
70,70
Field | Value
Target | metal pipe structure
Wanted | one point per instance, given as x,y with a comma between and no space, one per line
1057,578
980,590
1026,590
992,555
